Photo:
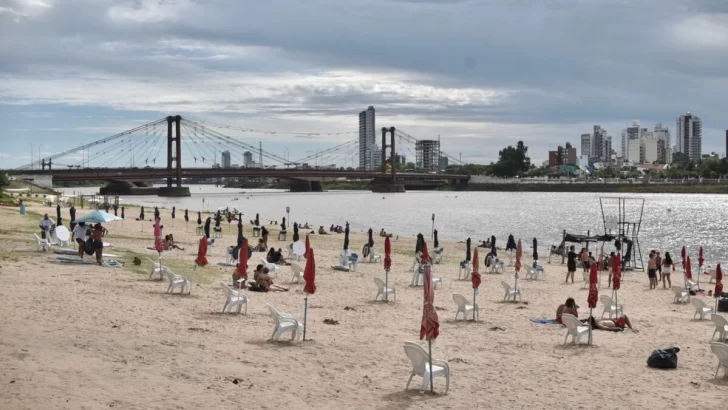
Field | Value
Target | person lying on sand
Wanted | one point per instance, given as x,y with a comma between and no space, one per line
617,324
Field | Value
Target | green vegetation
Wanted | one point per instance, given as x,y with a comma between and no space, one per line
346,185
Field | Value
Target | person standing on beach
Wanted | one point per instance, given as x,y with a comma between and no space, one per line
667,268
97,236
585,259
79,233
45,225
570,264
652,270
658,263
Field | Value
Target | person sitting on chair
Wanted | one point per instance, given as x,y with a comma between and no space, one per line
45,225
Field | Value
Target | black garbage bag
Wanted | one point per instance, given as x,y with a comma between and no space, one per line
664,358
88,247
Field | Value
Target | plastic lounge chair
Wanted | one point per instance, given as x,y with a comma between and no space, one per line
574,328
384,290
536,270
178,281
421,366
284,322
720,350
681,296
465,307
610,308
721,327
511,294
418,279
272,267
701,308
157,269
464,272
690,285
43,244
235,299
297,273
438,253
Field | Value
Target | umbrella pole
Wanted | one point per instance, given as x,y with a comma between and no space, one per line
590,325
429,344
515,287
305,312
474,292
386,285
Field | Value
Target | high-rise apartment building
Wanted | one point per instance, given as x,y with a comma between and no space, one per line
225,160
586,145
367,139
689,136
247,159
629,134
427,154
664,147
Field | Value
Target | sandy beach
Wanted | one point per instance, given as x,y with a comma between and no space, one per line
90,337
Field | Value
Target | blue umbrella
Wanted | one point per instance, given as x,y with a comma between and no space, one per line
98,216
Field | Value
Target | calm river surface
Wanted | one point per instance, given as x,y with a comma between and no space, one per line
669,221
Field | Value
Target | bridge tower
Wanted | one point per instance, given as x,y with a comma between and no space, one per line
388,183
174,159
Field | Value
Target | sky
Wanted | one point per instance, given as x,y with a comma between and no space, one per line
480,74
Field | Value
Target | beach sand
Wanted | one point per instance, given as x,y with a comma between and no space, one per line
90,337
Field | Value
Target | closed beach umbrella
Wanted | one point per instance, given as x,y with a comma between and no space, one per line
218,218
59,221
493,250
346,237
467,250
387,264
296,237
420,243
174,212
519,255
199,218
601,260
229,218
370,241
700,265
593,294
257,220
72,211
688,269
682,253
430,327
207,226
122,212
187,215
718,285
141,214
202,252
106,207
617,276
242,260
535,249
308,244
283,224
511,243
309,276
435,241
156,212
475,276
116,209
158,242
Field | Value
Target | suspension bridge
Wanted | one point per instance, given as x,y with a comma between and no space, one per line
153,151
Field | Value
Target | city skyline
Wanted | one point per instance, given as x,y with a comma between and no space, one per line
77,71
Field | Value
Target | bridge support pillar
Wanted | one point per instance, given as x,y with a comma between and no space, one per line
387,185
300,185
174,159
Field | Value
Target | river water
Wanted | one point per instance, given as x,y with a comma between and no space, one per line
669,221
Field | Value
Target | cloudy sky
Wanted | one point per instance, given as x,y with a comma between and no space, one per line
482,74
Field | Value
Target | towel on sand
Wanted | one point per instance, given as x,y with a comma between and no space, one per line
544,321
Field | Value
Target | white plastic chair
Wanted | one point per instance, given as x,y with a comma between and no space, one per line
465,270
537,271
438,253
701,308
690,284
720,350
178,281
574,328
511,294
284,322
417,262
421,366
157,269
681,296
418,279
235,299
610,308
63,236
497,266
272,267
465,307
585,275
721,327
43,244
297,273
384,290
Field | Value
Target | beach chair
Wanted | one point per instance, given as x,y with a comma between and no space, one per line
178,281
421,366
272,267
157,269
497,266
690,285
574,328
536,271
43,244
418,278
417,262
585,275
200,230
720,350
701,308
465,307
372,257
721,327
610,308
465,270
284,322
681,296
234,299
384,290
437,255
297,273
511,294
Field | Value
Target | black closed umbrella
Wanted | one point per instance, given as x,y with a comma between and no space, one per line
420,245
370,242
187,216
229,217
468,256
218,217
156,213
107,208
122,212
174,210
141,214
240,222
535,249
493,249
207,227
283,224
72,211
116,207
257,220
436,243
511,244
295,232
346,237
59,222
199,218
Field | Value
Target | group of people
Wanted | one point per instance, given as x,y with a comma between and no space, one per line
262,282
97,233
663,267
616,324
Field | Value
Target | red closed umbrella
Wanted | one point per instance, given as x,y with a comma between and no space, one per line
430,327
201,252
617,277
700,265
593,294
309,275
241,270
682,253
475,276
688,269
718,285
519,254
387,265
158,242
308,245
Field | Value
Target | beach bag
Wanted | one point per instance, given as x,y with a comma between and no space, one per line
664,358
88,247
